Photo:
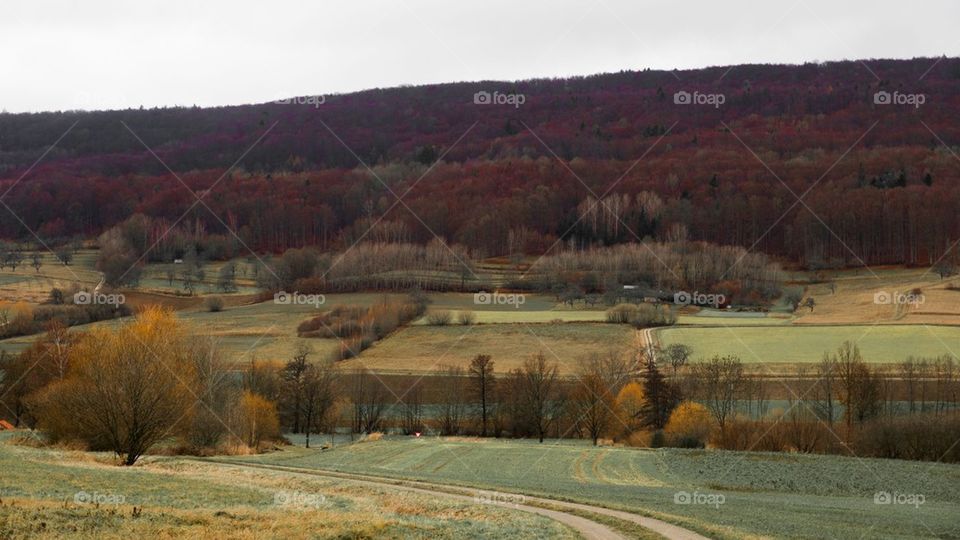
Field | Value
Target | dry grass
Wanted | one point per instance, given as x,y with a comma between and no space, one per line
853,301
177,498
423,348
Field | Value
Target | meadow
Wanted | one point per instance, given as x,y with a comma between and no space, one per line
57,493
764,494
423,348
796,344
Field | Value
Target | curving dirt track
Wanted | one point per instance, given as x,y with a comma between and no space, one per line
587,528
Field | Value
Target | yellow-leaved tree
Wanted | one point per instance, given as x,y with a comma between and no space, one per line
630,401
690,425
126,389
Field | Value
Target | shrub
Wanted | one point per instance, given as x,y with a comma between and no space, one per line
372,437
359,327
642,315
930,437
213,304
255,419
640,439
658,439
621,313
439,318
466,318
689,426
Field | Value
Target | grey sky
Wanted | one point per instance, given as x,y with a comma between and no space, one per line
112,54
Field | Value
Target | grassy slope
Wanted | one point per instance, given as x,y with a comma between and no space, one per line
188,499
776,495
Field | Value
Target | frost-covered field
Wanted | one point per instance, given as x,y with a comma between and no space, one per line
774,495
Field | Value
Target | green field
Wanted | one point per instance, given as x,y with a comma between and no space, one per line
770,495
44,494
805,344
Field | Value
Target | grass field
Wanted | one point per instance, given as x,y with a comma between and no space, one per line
45,494
853,300
29,285
422,348
804,344
766,495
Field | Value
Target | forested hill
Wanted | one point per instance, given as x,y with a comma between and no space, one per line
870,140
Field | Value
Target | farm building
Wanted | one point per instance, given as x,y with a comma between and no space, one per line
5,426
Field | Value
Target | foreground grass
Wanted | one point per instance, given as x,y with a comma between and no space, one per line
45,494
771,495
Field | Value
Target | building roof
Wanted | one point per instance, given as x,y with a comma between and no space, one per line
4,425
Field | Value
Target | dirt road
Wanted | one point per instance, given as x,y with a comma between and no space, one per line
587,528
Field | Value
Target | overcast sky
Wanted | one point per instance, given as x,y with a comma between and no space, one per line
113,54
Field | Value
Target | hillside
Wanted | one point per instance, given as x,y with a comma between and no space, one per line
877,180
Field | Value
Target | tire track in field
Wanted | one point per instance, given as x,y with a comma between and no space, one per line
589,529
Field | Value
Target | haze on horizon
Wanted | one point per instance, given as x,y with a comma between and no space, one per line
106,54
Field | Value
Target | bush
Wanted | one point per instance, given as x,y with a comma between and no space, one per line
255,420
213,304
928,437
641,315
439,318
622,313
466,318
689,426
359,327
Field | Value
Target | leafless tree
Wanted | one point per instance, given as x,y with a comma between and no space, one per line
319,396
539,387
721,382
482,384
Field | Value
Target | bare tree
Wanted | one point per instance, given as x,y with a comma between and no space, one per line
452,405
720,382
826,389
412,421
858,385
678,355
542,401
482,384
319,396
293,376
369,398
